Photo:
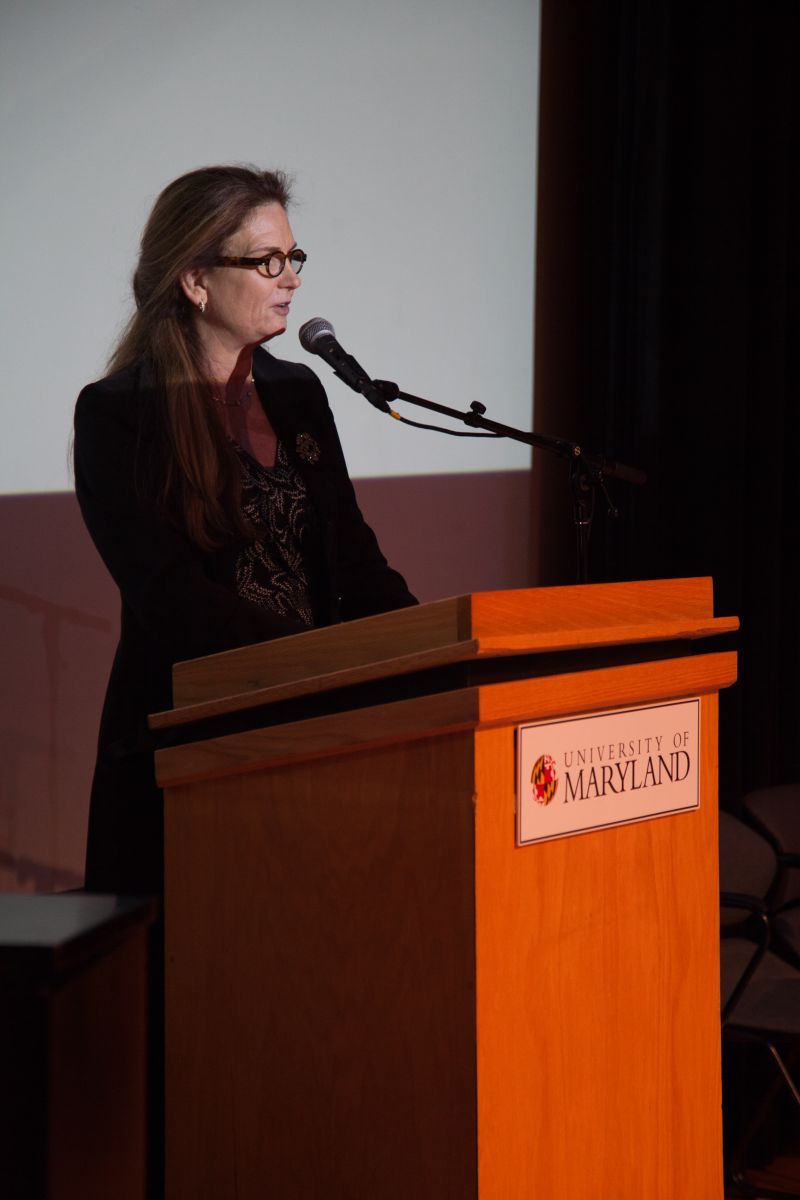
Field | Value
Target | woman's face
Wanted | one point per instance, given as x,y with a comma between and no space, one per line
244,307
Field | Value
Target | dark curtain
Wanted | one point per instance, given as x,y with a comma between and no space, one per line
668,321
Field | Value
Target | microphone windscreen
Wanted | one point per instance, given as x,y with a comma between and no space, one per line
316,328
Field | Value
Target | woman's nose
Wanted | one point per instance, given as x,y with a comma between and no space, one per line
289,277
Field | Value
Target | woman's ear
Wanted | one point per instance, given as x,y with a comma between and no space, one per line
194,286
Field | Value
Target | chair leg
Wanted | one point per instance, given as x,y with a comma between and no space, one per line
782,1077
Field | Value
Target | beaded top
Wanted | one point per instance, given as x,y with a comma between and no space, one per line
271,571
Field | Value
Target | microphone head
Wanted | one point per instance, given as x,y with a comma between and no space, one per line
310,333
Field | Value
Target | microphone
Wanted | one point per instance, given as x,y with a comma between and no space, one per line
318,336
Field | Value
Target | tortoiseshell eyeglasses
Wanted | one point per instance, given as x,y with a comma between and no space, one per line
271,265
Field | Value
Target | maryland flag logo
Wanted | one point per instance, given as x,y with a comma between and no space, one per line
544,780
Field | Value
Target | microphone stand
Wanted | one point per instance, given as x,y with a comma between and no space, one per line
587,472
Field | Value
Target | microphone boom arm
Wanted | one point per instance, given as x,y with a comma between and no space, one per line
542,441
587,472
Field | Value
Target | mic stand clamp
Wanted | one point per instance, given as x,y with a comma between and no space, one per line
476,412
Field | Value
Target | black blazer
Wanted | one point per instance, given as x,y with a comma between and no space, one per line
179,602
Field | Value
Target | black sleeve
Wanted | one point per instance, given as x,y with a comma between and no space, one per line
163,578
363,581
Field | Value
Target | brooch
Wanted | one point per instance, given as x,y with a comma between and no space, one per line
307,448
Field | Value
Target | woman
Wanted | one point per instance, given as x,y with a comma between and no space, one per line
211,478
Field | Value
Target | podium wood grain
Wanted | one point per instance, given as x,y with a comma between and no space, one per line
523,700
462,627
372,992
322,1043
598,1000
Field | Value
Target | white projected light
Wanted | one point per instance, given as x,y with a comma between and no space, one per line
410,131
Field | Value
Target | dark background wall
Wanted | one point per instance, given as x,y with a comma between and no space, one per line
667,318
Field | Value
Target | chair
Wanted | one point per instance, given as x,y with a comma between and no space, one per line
760,992
775,812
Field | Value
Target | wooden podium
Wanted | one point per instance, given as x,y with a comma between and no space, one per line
373,993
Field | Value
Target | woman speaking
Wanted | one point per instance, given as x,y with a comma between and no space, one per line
211,479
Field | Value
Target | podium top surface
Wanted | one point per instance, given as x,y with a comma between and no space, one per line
455,630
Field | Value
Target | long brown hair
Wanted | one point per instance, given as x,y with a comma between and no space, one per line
191,221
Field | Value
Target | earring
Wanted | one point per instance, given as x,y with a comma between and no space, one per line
202,306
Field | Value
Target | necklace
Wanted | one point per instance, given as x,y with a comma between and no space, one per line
243,399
